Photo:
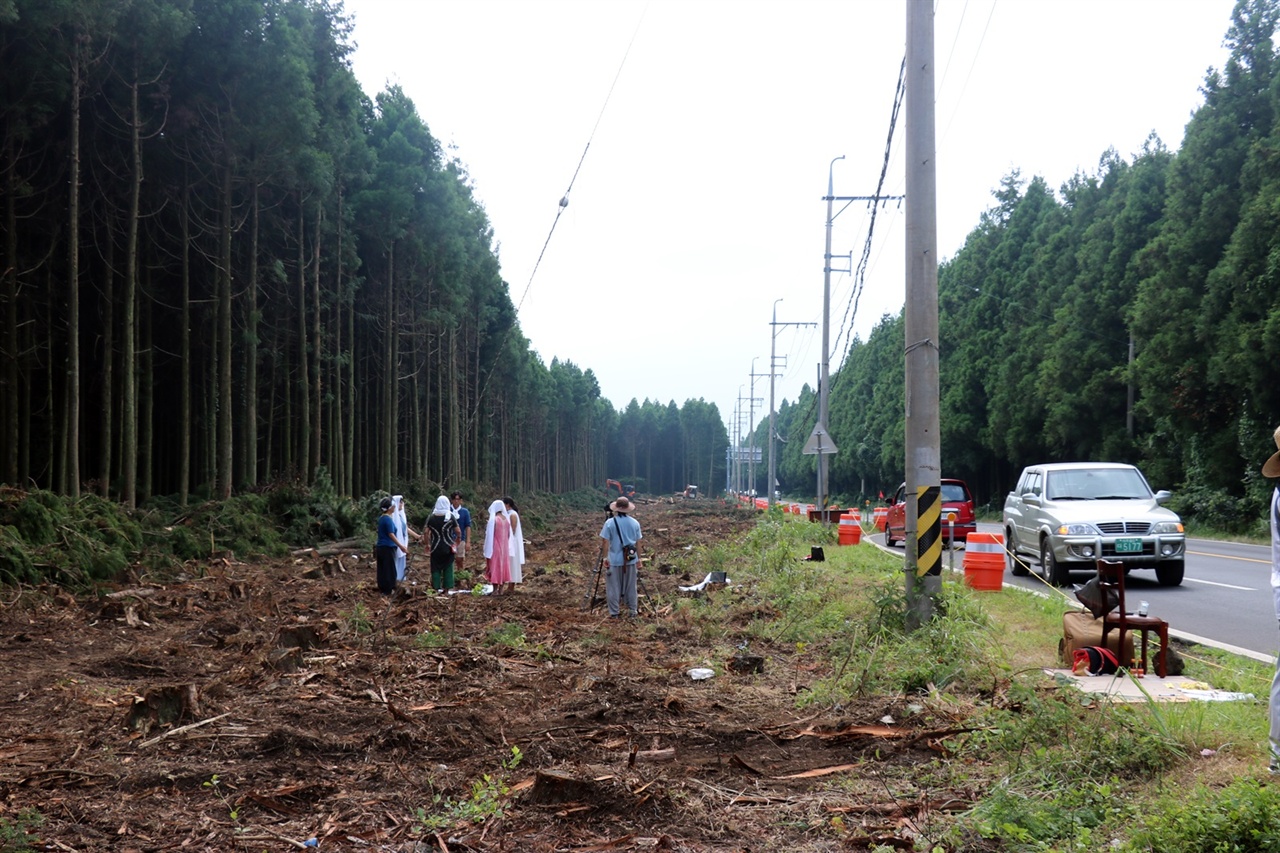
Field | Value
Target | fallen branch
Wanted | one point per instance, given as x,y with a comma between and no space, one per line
180,729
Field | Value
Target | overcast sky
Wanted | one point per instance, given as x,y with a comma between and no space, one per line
699,201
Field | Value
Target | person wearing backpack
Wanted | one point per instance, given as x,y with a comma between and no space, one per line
621,535
442,534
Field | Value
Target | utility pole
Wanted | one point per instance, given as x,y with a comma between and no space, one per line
751,430
820,440
924,469
773,368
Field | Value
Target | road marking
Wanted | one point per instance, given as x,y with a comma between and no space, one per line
1228,557
1224,585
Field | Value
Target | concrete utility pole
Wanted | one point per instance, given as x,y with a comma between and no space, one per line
773,368
820,439
923,567
751,429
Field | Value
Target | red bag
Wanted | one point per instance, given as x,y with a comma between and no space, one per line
1095,660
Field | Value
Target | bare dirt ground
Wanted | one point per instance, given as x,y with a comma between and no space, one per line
259,706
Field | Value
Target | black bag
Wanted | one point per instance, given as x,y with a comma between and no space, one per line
628,548
1099,600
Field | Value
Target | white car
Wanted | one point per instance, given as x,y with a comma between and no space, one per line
1068,515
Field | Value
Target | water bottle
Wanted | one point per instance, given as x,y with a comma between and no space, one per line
1143,608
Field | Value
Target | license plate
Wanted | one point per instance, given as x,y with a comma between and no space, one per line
1128,546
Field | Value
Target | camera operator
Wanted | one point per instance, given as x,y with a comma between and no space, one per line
621,546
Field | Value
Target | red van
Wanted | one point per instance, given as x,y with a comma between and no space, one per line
956,498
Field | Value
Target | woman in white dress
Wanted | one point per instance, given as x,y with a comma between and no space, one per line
517,544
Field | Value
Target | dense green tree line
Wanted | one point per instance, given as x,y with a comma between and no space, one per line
1134,315
223,264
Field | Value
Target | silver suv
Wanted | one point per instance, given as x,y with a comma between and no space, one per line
1069,514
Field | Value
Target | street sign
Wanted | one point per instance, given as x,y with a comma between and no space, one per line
819,442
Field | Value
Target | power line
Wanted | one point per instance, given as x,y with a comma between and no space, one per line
564,202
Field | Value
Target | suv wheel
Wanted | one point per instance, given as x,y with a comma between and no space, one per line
1055,574
1015,564
1169,573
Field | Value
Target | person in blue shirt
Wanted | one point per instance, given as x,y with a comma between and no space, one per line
387,547
464,525
620,530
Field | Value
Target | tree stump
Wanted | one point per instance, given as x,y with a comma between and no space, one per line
551,787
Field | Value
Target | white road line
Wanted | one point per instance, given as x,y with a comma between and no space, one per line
1223,585
1228,557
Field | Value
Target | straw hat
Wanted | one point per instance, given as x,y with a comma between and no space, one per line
1271,468
625,506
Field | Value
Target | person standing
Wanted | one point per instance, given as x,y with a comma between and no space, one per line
442,530
621,547
1272,469
517,544
386,547
404,531
497,547
464,529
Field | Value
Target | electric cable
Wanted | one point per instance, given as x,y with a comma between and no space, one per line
564,202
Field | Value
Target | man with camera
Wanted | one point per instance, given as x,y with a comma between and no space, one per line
621,549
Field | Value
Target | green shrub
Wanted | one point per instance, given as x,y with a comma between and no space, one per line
1240,818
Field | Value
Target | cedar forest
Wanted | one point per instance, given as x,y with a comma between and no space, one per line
224,264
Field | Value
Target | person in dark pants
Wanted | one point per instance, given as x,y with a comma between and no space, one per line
442,531
388,545
464,528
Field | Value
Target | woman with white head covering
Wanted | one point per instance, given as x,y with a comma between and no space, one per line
442,531
403,531
497,546
517,544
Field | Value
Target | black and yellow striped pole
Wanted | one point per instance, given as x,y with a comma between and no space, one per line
920,324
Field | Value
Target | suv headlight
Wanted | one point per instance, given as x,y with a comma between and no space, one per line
1077,529
1167,527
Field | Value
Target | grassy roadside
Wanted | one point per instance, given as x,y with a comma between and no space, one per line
1051,768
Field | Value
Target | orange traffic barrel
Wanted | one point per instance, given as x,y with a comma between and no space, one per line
881,517
984,561
850,528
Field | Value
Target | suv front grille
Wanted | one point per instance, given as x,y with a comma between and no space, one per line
1121,528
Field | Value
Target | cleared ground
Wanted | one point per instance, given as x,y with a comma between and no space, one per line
257,705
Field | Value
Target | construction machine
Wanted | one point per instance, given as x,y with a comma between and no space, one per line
690,492
627,490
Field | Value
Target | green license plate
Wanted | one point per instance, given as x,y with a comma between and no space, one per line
1128,546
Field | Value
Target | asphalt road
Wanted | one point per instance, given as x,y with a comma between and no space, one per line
1225,598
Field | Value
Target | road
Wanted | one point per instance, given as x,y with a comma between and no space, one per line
1225,598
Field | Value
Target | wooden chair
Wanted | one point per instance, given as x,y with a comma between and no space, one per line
1111,576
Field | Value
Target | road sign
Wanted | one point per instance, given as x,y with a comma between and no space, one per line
819,442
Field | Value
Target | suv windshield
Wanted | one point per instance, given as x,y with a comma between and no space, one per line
1091,484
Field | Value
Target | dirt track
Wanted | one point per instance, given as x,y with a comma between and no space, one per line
325,714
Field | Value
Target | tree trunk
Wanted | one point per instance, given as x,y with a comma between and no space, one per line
129,298
106,432
317,350
224,447
184,438
71,437
251,350
304,375
390,383
9,346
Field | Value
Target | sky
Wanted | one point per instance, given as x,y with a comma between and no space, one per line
693,141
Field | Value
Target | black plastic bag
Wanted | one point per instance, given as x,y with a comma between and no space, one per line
1098,599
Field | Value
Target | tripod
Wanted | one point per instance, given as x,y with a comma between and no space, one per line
591,599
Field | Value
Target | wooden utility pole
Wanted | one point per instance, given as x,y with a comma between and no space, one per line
924,469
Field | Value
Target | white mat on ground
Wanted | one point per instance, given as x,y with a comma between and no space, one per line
1151,688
